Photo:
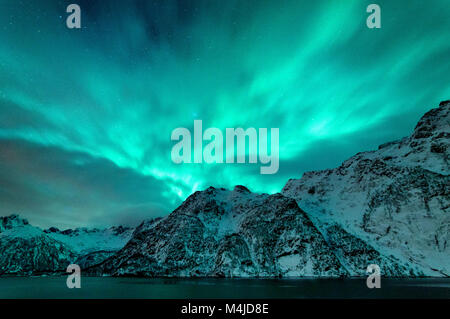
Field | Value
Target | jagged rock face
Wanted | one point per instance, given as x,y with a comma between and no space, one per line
31,256
355,254
397,198
228,233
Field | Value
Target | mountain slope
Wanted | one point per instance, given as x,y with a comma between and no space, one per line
396,198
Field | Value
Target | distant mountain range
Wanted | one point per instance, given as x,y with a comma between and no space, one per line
29,250
388,207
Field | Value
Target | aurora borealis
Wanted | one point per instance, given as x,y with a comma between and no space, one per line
86,115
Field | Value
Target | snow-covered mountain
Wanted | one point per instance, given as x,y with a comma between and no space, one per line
236,233
26,249
218,232
396,198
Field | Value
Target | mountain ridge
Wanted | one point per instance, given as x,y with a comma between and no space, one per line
388,206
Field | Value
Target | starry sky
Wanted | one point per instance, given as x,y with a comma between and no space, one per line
86,114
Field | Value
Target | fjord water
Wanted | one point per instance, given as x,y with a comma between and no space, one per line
158,288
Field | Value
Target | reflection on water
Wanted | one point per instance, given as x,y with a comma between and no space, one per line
106,287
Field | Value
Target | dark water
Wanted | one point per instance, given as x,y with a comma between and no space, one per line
55,287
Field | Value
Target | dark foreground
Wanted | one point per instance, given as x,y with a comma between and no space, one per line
141,288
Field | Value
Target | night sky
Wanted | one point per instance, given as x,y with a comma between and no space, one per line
86,115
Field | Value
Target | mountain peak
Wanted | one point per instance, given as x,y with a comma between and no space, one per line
241,189
11,221
433,122
444,103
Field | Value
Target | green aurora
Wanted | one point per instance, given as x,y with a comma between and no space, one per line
86,115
